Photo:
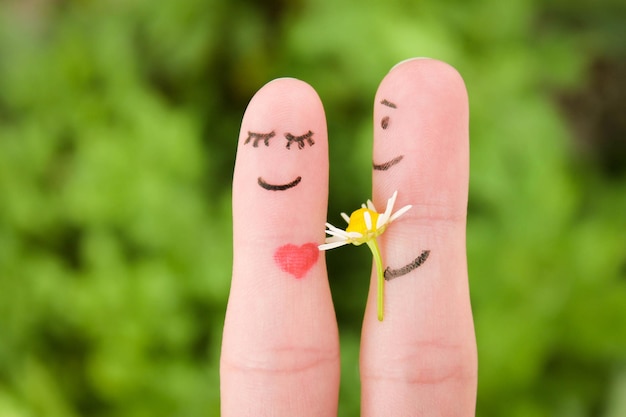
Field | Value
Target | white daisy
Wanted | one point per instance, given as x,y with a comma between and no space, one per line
364,226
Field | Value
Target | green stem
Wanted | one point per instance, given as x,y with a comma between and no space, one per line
373,245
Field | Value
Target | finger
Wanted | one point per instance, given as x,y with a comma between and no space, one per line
280,353
421,360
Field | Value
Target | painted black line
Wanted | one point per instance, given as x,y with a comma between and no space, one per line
395,273
387,103
279,187
299,139
386,165
258,136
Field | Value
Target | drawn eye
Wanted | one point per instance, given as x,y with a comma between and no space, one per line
256,137
385,122
308,137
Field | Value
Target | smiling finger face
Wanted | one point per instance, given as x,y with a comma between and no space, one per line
425,352
280,332
280,146
394,124
301,140
280,171
384,111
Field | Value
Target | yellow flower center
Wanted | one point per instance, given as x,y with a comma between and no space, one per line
357,222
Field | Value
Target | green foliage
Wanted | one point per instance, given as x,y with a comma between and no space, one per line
118,123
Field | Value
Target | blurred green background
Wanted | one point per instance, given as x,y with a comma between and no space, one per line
118,125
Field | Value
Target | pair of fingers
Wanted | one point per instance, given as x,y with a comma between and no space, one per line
280,352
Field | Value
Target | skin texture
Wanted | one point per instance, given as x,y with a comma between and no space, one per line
280,352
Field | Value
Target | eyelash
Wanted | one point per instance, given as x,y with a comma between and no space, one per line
256,137
300,139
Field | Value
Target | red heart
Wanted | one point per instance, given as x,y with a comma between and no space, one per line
297,260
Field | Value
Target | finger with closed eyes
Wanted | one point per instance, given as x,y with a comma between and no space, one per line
280,354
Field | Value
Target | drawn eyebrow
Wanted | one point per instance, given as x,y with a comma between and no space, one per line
395,273
258,136
387,103
386,165
279,187
300,139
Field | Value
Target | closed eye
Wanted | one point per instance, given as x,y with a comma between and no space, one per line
300,140
256,137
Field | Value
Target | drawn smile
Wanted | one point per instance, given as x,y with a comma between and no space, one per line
386,165
279,187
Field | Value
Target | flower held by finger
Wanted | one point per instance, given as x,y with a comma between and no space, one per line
364,226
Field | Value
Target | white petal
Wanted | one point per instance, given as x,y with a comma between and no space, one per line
382,219
354,235
390,203
368,220
333,245
400,213
371,206
333,228
346,217
332,239
363,205
338,233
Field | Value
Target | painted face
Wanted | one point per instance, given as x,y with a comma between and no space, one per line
386,123
292,259
301,141
280,173
391,145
